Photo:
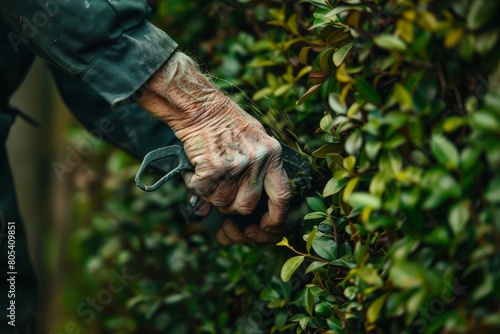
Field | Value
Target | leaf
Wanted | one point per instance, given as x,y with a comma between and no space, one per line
480,13
369,275
325,247
327,149
350,187
403,96
335,104
337,36
390,42
333,186
349,163
367,91
326,122
315,265
269,294
350,292
452,38
361,200
492,193
354,142
444,151
283,242
315,215
283,89
405,30
407,275
310,239
458,217
290,266
373,311
261,93
318,77
308,301
324,60
340,54
316,204
309,92
303,54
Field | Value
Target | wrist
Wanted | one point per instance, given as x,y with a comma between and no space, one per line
184,97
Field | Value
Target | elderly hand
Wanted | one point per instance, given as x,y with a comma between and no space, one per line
234,157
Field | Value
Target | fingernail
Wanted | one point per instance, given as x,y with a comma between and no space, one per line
251,235
267,229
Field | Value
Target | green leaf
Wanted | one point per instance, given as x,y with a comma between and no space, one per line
406,275
350,187
316,204
315,265
283,89
310,238
350,292
308,301
390,42
354,142
362,200
403,96
481,12
335,325
290,266
335,104
323,309
367,91
340,54
269,294
324,150
361,254
458,217
326,122
333,186
325,228
325,247
493,191
373,311
369,275
349,163
315,215
444,151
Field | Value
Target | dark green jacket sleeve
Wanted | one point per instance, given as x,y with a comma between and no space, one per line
109,44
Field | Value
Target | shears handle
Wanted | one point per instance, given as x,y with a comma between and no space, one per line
176,151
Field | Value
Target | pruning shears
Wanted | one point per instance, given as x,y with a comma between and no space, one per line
296,165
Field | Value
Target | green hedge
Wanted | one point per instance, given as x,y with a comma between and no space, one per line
397,103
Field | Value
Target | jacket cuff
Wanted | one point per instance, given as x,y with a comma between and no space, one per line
129,62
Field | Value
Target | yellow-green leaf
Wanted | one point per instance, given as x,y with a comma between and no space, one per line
390,42
303,54
283,242
290,266
374,309
340,54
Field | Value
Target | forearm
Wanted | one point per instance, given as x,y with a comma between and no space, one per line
183,97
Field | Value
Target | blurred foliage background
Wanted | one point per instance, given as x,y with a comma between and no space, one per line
397,103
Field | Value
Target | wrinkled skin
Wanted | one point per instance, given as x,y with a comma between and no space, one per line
234,158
